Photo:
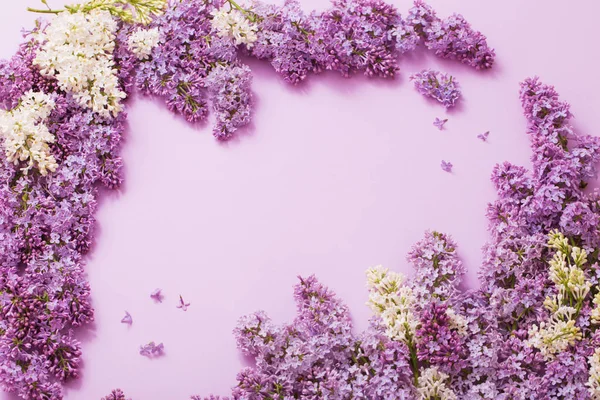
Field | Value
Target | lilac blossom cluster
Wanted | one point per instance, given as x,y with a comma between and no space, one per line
116,394
194,66
439,86
529,332
197,63
452,38
359,36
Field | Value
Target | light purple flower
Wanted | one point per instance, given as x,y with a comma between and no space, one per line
439,123
182,304
157,295
152,350
438,86
483,136
446,166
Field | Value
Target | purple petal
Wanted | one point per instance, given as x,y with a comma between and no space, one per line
483,136
157,295
182,304
127,319
439,123
446,166
152,350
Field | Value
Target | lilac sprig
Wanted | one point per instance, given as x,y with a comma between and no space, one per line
438,86
116,394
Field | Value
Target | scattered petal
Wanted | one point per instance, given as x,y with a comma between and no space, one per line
157,295
182,304
152,350
127,319
439,123
484,136
446,166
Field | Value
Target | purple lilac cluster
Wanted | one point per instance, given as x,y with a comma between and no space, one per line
359,36
452,37
46,229
478,343
116,394
193,66
317,355
438,86
515,271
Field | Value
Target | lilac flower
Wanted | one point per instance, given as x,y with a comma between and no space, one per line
182,304
438,268
157,295
359,36
116,394
127,319
438,86
232,98
454,38
440,344
446,166
439,123
483,136
152,350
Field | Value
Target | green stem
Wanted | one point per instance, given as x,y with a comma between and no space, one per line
37,10
243,10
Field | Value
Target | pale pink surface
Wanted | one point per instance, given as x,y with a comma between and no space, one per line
333,177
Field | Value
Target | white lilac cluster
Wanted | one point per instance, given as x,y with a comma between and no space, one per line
432,385
593,382
142,41
595,316
393,301
234,24
457,321
25,134
566,272
77,50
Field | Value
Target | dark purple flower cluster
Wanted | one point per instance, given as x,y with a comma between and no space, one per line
440,344
438,86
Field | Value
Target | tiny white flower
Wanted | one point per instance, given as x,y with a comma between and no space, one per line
432,385
234,24
593,382
25,134
77,50
142,41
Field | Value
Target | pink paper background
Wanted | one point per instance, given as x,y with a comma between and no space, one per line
334,176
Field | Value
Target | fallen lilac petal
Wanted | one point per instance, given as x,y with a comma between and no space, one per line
127,319
157,295
152,350
182,304
439,123
446,166
483,136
